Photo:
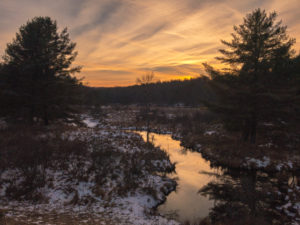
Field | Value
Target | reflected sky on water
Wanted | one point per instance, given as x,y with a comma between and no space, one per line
186,202
225,195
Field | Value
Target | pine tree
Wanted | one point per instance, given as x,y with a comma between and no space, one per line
38,75
253,89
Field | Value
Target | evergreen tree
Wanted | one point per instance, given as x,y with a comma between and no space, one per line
254,88
37,73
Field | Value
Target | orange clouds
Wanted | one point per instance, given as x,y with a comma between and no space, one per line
120,40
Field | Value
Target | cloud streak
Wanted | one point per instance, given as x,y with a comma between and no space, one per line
119,40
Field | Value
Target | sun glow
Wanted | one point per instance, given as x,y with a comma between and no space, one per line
186,78
121,40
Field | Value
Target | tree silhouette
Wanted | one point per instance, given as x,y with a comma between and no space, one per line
248,197
145,81
37,73
253,88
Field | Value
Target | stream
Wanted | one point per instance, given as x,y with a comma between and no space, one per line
185,204
225,195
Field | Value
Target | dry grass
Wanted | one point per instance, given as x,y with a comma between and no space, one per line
227,148
118,164
32,150
30,218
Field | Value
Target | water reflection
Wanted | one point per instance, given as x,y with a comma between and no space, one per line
185,204
226,196
248,197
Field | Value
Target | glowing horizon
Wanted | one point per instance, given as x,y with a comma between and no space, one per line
120,40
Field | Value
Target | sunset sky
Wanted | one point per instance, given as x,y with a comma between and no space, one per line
120,40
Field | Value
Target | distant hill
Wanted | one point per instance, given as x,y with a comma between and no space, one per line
187,92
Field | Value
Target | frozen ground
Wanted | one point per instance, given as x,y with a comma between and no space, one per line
73,195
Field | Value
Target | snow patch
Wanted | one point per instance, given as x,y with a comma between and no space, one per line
257,162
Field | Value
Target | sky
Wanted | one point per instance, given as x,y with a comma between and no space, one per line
121,40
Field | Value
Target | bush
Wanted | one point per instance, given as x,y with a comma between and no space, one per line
29,151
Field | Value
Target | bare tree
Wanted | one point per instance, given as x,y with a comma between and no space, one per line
148,78
145,81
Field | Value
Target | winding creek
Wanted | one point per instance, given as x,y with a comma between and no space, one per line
185,204
225,195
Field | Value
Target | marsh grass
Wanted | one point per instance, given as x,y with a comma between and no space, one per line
32,151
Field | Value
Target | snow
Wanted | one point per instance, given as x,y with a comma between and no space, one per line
66,194
267,145
135,206
268,124
3,124
283,165
198,147
90,122
210,132
257,162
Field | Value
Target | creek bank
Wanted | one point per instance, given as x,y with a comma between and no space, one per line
271,161
234,160
112,177
224,150
192,173
197,130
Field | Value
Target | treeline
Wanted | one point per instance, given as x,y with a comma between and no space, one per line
185,92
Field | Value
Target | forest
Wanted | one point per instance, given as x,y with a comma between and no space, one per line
187,92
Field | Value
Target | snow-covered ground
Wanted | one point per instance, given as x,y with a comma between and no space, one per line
125,188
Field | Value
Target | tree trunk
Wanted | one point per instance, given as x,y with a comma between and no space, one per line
148,121
252,189
148,128
246,131
31,114
253,129
46,119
